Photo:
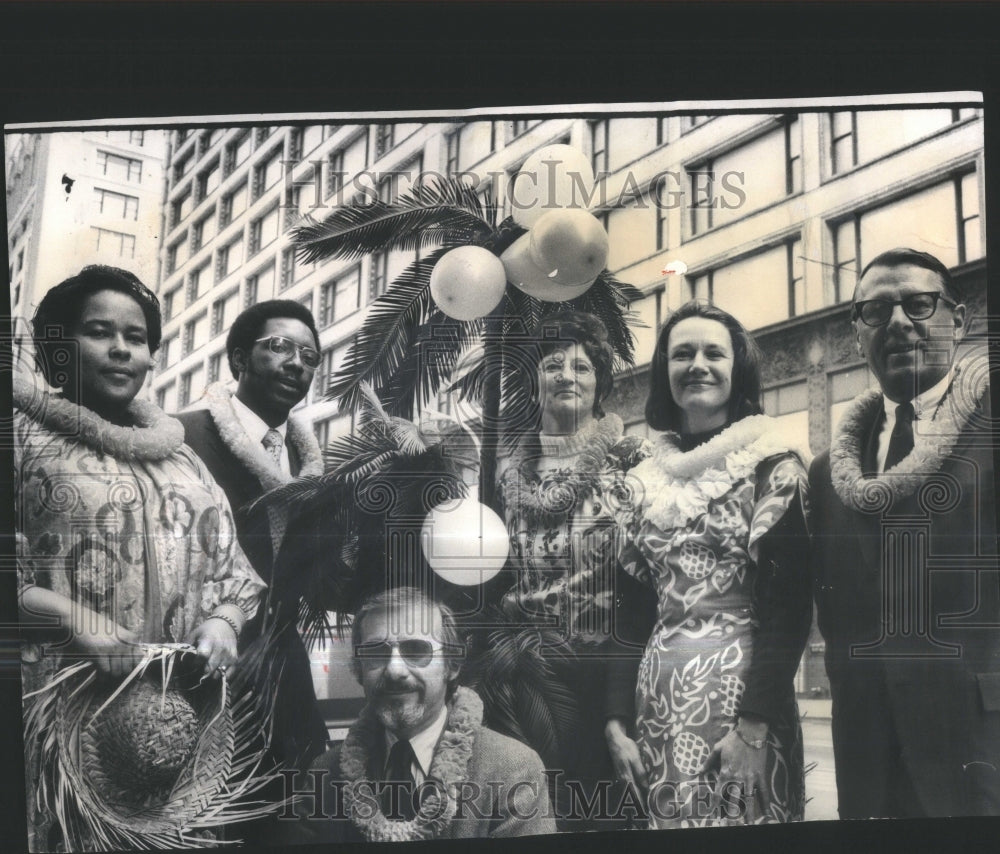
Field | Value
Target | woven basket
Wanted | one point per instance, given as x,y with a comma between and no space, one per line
163,763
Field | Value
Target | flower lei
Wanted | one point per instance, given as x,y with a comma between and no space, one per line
448,770
155,435
931,445
551,499
678,486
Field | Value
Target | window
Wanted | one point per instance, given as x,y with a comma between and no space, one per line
224,311
648,310
116,204
197,283
177,253
262,133
689,123
169,306
759,289
844,386
452,155
861,136
229,259
166,397
662,131
660,212
330,361
385,135
180,208
261,283
168,350
379,275
209,138
340,297
943,219
114,243
192,385
334,173
119,168
195,333
264,230
789,406
208,179
307,139
183,165
233,205
307,301
137,137
250,294
747,178
203,230
522,126
215,367
332,428
267,173
237,151
599,146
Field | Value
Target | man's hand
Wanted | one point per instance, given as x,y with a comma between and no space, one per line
215,641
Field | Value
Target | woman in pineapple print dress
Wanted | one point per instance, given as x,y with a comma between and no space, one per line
716,529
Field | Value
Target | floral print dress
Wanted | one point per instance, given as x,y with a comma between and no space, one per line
718,534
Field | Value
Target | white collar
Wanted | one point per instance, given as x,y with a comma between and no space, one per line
424,742
255,426
925,403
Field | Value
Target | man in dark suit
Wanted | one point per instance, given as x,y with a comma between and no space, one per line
251,445
905,559
418,763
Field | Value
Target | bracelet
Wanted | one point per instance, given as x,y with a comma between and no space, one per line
756,744
229,620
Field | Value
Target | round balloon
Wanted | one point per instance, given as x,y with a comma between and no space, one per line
464,542
554,177
468,282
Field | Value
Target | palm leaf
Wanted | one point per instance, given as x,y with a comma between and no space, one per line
428,214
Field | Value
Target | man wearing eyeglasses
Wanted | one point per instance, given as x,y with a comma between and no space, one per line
904,525
418,763
251,444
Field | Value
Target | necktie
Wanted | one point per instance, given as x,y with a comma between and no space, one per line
901,441
398,769
272,443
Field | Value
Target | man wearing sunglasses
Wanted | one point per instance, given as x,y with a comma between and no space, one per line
904,524
418,764
250,444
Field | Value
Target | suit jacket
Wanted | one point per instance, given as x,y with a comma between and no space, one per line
299,732
505,791
909,605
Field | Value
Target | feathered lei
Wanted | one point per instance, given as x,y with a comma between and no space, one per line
252,454
154,436
449,769
677,486
932,444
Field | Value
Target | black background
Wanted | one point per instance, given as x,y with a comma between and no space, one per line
72,61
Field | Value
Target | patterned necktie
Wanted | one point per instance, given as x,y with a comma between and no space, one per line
399,769
272,443
901,441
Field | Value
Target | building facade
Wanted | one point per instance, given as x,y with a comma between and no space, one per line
77,198
772,214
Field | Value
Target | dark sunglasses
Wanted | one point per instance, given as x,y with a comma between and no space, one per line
286,347
876,312
416,652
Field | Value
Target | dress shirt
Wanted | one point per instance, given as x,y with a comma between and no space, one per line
423,744
924,405
256,429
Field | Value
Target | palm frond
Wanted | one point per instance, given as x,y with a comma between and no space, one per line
608,299
423,217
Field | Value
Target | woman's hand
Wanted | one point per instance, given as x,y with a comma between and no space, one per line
215,641
742,772
113,650
625,758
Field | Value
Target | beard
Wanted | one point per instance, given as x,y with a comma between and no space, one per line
399,712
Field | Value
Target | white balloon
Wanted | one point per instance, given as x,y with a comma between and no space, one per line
468,282
554,177
464,542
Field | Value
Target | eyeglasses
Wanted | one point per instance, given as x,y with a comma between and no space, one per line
876,312
286,347
416,652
